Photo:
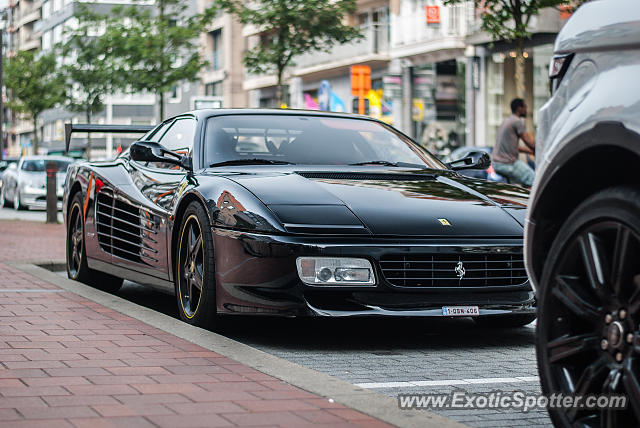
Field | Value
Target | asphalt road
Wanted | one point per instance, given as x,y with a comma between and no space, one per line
395,356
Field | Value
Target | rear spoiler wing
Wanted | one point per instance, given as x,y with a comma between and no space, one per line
70,128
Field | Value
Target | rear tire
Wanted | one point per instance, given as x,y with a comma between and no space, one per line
77,268
505,321
195,269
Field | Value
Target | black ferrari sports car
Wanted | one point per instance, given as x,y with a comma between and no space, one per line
292,213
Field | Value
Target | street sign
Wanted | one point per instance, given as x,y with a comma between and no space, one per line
433,14
360,85
360,79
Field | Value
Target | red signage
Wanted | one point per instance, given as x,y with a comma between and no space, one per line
433,14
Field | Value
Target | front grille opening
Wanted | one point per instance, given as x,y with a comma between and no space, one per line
445,270
123,229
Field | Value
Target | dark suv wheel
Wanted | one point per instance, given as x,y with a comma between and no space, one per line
589,309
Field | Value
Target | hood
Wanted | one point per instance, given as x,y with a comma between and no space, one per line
387,203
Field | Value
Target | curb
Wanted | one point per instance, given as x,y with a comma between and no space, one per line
368,402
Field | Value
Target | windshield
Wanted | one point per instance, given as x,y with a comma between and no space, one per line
39,165
309,140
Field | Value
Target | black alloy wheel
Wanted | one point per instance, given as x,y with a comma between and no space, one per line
195,283
588,331
77,268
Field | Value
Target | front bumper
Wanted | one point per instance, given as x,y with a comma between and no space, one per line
37,198
257,274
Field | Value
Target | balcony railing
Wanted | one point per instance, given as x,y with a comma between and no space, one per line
375,41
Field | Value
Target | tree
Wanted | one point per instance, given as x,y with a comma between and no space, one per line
90,67
157,47
291,28
34,85
509,20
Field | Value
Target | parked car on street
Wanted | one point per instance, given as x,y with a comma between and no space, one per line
583,225
486,174
24,182
294,213
4,164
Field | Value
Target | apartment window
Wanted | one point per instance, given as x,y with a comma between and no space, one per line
46,9
175,94
57,34
46,40
213,89
217,59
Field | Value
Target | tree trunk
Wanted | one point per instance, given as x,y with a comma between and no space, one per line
279,94
161,96
88,136
520,71
35,134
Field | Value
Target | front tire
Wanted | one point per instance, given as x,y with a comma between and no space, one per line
195,270
77,268
588,333
17,205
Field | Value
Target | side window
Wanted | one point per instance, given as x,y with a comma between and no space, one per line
158,133
179,138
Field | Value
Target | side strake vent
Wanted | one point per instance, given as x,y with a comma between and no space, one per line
364,176
124,230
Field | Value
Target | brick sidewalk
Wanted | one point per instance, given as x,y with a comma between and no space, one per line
67,361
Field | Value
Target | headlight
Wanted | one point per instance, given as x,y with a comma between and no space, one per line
557,69
330,271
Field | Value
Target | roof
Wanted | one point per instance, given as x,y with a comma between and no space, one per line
203,113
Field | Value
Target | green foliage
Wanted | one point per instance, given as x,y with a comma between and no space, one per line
291,28
90,65
509,19
34,85
154,47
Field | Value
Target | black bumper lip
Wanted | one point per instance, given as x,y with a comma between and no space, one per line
262,275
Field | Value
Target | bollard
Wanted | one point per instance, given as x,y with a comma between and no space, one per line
52,192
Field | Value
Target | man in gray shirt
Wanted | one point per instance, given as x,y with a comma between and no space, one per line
505,153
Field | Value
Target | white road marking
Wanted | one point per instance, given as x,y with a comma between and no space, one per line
448,382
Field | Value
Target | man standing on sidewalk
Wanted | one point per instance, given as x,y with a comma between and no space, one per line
505,154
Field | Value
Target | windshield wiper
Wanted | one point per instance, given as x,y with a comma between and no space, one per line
387,163
377,162
253,161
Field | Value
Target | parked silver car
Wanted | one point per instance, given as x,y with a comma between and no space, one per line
24,185
583,226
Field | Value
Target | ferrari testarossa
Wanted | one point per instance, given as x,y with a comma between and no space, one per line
293,213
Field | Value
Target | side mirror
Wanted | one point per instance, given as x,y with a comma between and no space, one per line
149,151
476,159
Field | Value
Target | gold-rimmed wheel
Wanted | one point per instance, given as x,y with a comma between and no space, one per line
191,255
195,284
